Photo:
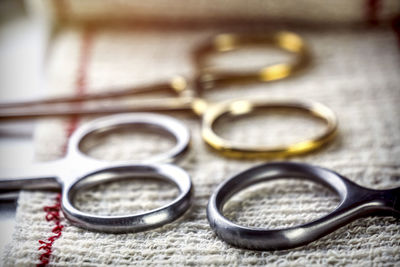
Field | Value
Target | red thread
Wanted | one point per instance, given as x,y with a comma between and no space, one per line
53,212
396,28
372,11
70,127
81,80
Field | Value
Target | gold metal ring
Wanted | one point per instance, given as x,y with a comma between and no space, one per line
287,41
240,107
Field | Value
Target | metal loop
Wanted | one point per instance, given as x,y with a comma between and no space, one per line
212,77
155,121
356,202
239,107
129,223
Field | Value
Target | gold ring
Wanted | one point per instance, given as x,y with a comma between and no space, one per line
208,77
240,107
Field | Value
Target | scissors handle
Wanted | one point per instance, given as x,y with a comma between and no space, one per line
241,107
211,77
165,125
205,78
356,202
131,222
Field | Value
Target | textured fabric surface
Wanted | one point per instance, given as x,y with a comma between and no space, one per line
356,73
338,11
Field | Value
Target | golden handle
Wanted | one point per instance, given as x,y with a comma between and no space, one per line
239,107
288,41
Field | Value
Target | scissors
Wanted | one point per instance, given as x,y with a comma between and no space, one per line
77,171
190,96
356,202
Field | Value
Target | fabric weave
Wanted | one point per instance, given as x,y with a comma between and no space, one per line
354,72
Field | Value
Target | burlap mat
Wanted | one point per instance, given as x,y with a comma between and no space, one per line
356,73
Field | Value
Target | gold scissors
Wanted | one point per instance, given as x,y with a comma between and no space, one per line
190,96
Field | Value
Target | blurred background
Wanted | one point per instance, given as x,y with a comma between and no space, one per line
28,29
23,40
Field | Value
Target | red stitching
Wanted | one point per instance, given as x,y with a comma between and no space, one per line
69,129
81,80
53,212
396,28
372,11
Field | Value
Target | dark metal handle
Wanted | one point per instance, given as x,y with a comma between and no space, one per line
131,222
356,202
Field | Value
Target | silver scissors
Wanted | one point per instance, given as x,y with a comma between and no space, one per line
356,202
77,171
190,96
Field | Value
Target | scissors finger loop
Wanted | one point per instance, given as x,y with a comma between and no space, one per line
240,107
212,77
163,124
129,223
356,202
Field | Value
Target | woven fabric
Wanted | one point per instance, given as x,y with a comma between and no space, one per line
339,11
353,72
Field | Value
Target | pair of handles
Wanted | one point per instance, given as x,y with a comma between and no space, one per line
78,171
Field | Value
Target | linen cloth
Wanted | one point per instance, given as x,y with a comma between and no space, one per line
355,72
